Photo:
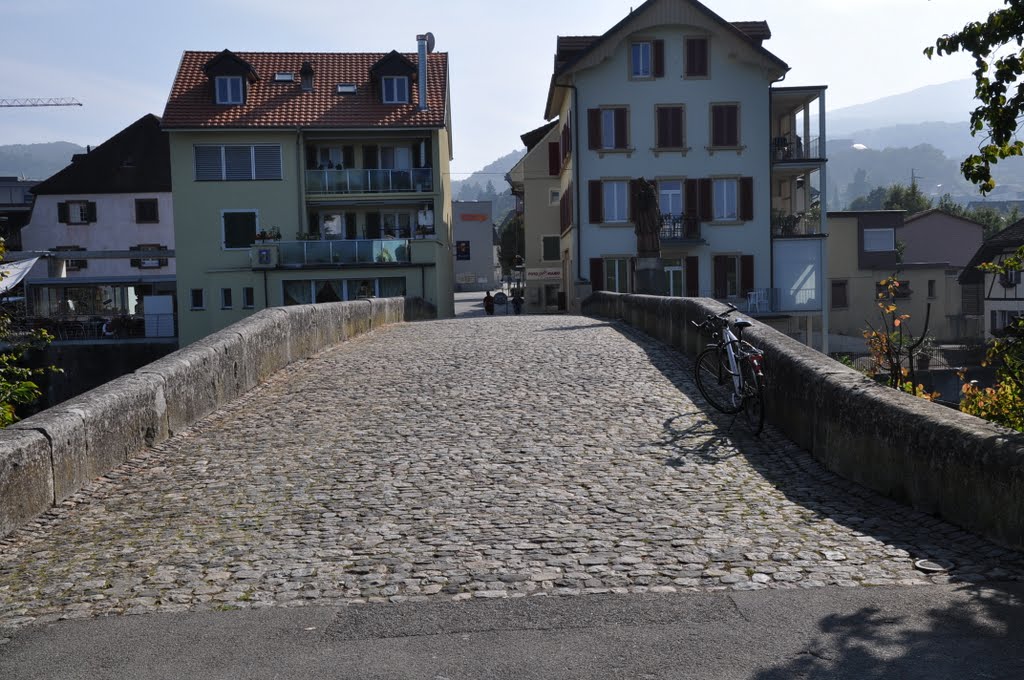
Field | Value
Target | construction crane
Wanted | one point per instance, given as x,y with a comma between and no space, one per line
53,101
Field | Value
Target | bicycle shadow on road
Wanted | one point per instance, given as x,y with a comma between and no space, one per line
692,436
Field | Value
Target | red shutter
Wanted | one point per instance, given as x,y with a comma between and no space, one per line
690,201
90,212
696,57
746,274
732,125
746,198
658,48
596,201
676,118
692,278
594,128
662,124
596,274
721,262
717,126
554,159
706,209
621,129
62,213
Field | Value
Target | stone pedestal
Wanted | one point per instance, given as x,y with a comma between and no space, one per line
650,276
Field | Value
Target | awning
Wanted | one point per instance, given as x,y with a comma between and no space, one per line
11,273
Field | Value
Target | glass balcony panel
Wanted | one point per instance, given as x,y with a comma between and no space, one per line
323,182
292,253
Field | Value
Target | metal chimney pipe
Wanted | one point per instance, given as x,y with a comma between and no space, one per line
421,43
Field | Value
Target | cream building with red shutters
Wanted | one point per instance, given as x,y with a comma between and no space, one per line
677,95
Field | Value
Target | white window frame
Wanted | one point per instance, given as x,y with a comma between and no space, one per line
725,199
78,212
615,200
877,235
616,274
733,274
223,233
248,297
674,195
389,86
230,90
558,248
641,59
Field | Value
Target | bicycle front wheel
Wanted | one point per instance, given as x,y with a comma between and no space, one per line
753,395
714,380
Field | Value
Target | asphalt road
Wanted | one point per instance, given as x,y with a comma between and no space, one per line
933,632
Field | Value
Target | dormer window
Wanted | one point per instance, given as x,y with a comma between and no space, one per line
395,89
229,89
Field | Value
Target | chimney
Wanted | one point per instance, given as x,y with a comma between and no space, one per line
306,75
421,43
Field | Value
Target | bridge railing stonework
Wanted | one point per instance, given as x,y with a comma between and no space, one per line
51,455
931,457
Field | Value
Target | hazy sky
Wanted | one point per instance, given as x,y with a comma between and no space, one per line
118,57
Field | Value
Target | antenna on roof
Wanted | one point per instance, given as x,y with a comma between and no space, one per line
430,42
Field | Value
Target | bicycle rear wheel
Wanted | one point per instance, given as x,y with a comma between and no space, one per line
753,395
714,380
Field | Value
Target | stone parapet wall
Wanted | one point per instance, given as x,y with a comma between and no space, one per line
933,458
46,458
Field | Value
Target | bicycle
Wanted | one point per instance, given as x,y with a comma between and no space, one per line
729,372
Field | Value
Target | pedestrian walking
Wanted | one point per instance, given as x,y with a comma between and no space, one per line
517,303
489,304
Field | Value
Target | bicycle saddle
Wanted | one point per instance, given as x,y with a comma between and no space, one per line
742,323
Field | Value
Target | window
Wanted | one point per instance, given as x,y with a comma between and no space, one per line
669,127
724,199
902,291
229,89
733,275
395,89
549,248
879,240
670,197
239,228
396,225
198,298
931,288
608,128
72,265
553,196
839,295
725,128
696,57
616,275
148,262
76,212
615,203
146,211
640,60
215,162
225,298
248,297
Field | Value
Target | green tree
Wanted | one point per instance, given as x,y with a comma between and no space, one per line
18,385
873,201
996,46
894,197
511,243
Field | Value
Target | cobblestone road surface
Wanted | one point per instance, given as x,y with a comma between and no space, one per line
481,457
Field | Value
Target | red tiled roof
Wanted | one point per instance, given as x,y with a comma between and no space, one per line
271,104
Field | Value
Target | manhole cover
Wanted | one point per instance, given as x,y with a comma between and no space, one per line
933,566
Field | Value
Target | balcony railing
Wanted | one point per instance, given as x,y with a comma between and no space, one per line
337,252
369,181
797,224
679,228
792,148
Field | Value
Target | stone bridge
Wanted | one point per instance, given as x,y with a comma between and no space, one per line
486,457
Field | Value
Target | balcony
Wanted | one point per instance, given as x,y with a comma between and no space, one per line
796,224
679,228
791,148
334,182
342,252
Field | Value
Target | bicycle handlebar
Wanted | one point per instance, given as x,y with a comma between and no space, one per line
711,317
